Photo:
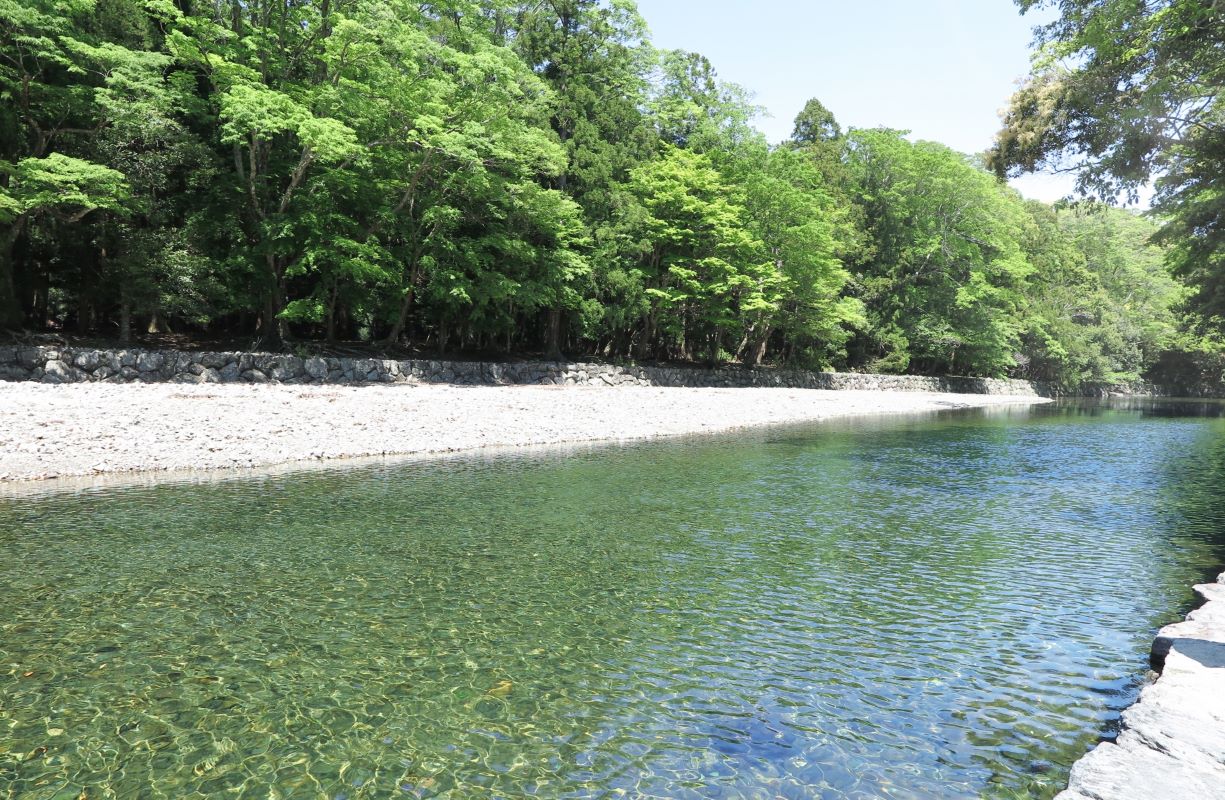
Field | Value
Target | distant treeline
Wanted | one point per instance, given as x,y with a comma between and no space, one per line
501,176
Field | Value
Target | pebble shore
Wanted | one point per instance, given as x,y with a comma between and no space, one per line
49,431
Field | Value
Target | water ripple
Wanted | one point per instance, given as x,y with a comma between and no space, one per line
911,609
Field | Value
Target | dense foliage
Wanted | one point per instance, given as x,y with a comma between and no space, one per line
1126,93
502,176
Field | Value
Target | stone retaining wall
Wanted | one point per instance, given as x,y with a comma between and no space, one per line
79,365
50,364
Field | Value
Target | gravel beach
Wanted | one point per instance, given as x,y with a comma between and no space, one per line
94,429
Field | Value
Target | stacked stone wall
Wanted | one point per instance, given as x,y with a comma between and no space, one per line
50,364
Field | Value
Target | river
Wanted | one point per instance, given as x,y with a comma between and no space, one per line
940,606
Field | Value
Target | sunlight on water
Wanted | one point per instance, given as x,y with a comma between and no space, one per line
952,607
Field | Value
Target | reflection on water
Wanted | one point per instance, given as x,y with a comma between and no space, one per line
949,607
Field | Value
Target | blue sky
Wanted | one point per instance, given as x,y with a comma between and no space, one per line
942,69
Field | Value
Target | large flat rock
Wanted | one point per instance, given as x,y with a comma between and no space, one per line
1172,745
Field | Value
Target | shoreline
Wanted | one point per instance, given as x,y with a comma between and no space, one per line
94,436
1172,741
89,429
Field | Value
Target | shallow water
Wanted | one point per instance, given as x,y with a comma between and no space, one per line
951,606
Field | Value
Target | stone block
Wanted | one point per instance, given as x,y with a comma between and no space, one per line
316,368
88,360
31,357
149,361
57,371
286,368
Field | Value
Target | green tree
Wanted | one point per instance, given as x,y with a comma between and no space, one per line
1138,312
815,125
806,235
1124,92
1102,306
594,56
702,269
56,185
67,69
693,109
393,109
1119,88
943,284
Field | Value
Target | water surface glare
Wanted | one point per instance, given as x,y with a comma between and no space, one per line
946,607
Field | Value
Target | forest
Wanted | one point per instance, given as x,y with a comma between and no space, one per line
499,178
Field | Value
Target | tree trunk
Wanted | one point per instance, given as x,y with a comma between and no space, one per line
648,333
271,336
274,333
406,305
11,316
756,352
642,348
554,345
331,313
344,321
157,324
622,343
40,300
401,318
85,314
86,310
125,320
716,344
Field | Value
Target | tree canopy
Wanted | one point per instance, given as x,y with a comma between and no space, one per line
1124,93
494,176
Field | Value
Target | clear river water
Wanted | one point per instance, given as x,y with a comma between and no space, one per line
949,606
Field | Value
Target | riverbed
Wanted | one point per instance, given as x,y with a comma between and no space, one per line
953,605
